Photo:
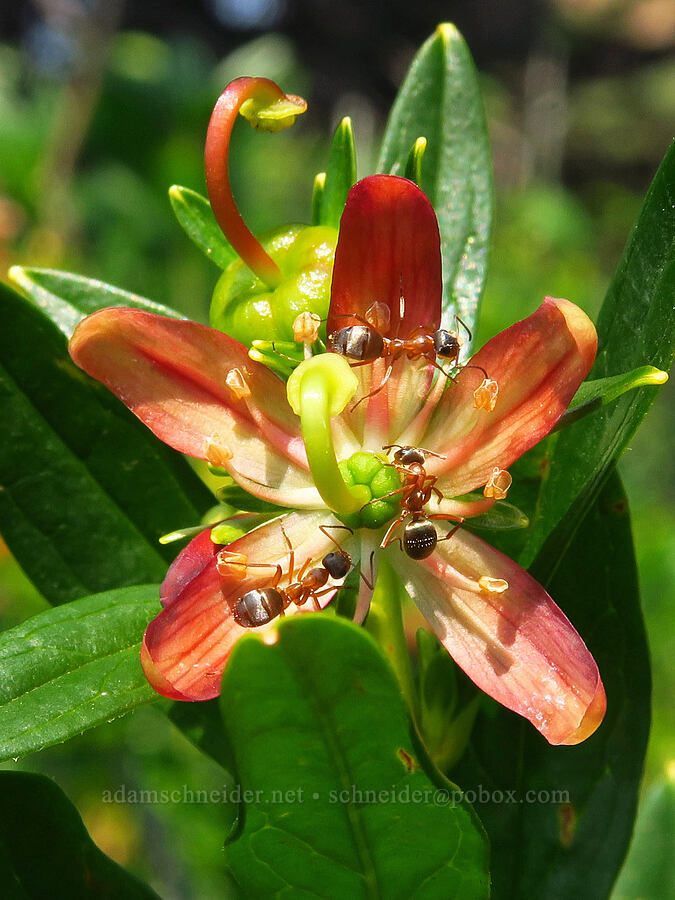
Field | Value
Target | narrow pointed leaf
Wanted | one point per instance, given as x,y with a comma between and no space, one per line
592,395
72,668
568,837
295,714
340,174
440,100
86,490
45,850
67,298
196,218
636,328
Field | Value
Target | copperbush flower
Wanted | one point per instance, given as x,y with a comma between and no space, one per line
199,391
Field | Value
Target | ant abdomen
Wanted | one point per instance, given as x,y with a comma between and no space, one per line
258,607
359,342
419,539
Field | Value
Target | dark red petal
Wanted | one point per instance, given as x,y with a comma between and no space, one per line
388,243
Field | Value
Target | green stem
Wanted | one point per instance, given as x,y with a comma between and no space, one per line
385,623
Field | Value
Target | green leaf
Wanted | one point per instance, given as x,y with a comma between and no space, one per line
593,395
340,174
649,871
440,100
321,737
85,489
571,843
67,298
72,668
195,216
636,328
45,850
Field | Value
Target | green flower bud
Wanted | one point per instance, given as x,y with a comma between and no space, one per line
248,309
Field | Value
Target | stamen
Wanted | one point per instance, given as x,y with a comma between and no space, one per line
306,328
237,384
232,564
492,585
498,484
485,395
379,316
217,452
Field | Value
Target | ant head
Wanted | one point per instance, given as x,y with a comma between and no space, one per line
446,344
407,456
337,564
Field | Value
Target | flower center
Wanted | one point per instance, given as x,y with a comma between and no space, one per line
371,472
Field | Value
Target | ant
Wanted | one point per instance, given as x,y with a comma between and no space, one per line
366,342
419,534
261,605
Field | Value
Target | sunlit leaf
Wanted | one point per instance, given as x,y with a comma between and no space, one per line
195,216
85,490
342,806
72,668
67,298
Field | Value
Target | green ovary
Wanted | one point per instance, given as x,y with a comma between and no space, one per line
247,309
370,470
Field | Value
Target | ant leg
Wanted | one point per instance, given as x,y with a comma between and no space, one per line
377,390
386,496
369,583
387,539
446,517
283,355
450,533
291,557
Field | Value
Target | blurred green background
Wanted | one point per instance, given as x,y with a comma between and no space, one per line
104,105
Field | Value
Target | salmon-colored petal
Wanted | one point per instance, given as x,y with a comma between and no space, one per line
181,380
186,647
508,635
388,243
538,365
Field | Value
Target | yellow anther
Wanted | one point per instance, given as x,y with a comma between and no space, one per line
379,316
306,328
498,484
485,395
237,384
217,452
492,585
231,564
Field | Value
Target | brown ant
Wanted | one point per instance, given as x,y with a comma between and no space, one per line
261,605
366,342
419,534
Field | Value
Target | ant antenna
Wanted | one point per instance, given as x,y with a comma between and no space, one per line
464,326
324,530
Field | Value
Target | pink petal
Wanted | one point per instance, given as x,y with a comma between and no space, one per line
187,645
388,242
538,364
517,646
173,375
